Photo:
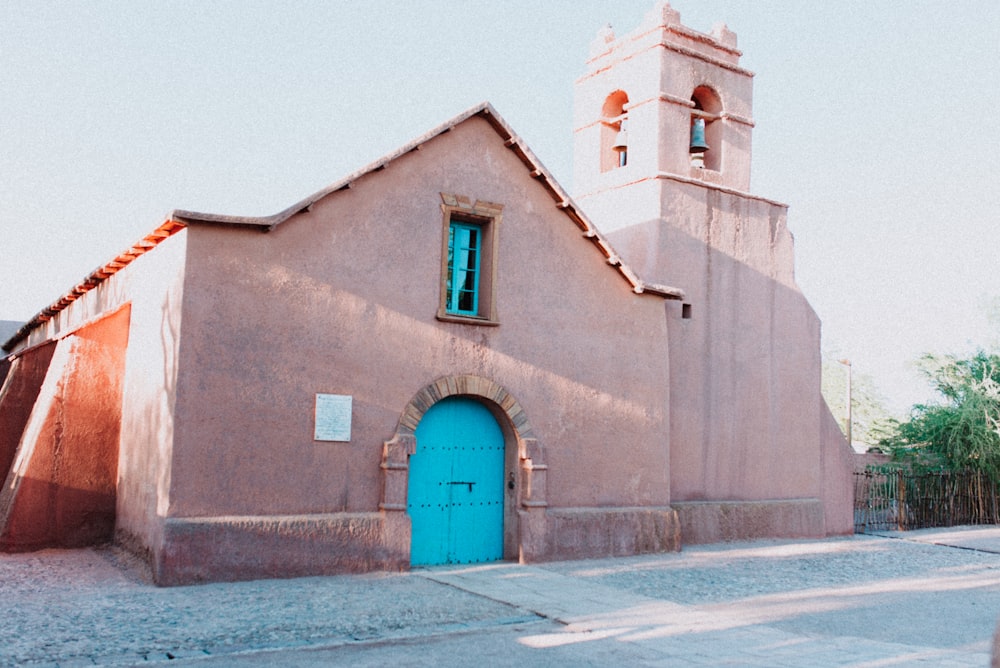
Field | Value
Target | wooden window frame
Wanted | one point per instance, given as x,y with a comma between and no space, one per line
485,216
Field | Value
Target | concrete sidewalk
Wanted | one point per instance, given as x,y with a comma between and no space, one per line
982,539
894,600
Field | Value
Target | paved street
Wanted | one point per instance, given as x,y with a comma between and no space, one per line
921,598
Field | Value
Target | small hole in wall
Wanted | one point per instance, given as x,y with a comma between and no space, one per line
686,311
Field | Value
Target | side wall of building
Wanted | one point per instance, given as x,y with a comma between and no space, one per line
747,433
110,393
154,284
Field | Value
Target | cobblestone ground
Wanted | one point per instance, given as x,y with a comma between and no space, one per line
85,607
98,606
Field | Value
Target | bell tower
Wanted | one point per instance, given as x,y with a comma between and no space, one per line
662,130
661,103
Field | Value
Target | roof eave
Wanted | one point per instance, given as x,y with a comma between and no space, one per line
181,218
165,230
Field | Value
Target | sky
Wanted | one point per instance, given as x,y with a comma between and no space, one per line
875,121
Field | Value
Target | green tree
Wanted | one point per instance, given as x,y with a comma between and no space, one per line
962,431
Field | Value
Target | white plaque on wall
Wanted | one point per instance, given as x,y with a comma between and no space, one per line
333,417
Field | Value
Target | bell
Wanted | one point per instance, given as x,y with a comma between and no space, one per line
621,140
698,144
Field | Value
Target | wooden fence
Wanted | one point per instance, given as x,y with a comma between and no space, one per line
894,500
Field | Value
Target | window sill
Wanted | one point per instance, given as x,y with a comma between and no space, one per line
467,320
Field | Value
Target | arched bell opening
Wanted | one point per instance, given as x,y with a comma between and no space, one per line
705,138
614,131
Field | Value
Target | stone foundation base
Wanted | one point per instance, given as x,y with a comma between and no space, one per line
704,522
214,549
586,533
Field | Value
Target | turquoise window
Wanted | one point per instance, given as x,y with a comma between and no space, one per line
464,262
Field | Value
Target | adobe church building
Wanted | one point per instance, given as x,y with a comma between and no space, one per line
444,358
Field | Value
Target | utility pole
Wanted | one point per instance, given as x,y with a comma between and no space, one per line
847,363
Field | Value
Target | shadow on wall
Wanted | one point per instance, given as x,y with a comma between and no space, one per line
60,487
48,514
18,394
745,373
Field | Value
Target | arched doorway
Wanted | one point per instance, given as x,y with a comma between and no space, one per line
456,485
524,523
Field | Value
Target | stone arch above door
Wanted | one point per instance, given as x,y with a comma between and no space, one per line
396,451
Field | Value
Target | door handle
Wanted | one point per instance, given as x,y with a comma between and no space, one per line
470,484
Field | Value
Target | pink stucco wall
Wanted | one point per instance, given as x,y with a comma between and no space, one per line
343,299
153,284
746,364
839,464
745,397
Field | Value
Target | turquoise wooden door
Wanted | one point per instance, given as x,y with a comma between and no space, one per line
455,495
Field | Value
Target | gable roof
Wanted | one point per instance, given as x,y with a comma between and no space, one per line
179,218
